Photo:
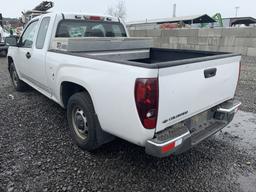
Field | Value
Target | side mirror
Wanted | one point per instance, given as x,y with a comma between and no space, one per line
11,41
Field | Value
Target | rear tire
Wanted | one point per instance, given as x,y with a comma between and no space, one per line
18,84
81,121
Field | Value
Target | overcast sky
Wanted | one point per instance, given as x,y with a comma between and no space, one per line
138,9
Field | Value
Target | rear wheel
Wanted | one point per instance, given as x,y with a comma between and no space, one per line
82,124
18,84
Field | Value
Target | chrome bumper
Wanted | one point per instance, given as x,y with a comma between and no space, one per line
182,142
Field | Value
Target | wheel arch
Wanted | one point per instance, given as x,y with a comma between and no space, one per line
69,88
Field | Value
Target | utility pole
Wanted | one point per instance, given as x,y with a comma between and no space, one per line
174,10
237,9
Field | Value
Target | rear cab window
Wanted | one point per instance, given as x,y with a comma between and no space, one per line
42,32
84,28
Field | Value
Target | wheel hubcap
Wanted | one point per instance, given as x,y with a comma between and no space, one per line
80,123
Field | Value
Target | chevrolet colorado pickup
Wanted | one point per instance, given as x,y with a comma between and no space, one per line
113,85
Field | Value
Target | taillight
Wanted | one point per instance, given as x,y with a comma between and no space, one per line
146,98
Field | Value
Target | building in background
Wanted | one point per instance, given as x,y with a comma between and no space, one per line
198,21
239,21
174,22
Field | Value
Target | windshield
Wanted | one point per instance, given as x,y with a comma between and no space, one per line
80,28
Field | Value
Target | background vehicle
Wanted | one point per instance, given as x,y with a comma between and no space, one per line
112,85
3,47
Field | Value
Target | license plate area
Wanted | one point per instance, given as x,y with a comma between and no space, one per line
198,122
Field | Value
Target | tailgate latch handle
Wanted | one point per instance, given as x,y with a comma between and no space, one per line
208,73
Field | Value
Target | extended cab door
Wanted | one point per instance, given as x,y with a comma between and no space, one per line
32,51
24,50
37,61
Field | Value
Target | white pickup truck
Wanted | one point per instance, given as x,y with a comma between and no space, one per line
113,85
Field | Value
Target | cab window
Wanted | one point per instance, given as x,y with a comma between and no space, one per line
42,33
27,38
83,28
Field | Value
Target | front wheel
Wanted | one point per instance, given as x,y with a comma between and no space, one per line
18,84
82,124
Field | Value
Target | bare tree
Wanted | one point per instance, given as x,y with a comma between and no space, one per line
119,10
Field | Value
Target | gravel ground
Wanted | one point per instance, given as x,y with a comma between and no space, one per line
247,85
36,153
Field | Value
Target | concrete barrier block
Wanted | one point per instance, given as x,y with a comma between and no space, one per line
187,32
226,41
239,50
169,33
154,33
227,49
180,40
214,41
251,52
245,42
183,40
156,42
173,40
132,33
208,48
140,33
173,46
242,41
210,32
238,32
165,45
203,40
192,40
164,40
252,32
187,47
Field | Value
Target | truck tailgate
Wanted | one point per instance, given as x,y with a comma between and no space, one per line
189,89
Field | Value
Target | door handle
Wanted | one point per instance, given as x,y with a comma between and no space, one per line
208,73
28,55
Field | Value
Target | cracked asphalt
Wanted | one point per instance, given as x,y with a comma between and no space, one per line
36,152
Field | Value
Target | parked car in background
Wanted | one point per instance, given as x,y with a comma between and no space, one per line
3,47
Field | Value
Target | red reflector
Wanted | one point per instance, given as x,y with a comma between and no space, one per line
168,147
95,18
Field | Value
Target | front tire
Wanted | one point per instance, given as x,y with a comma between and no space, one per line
81,121
18,84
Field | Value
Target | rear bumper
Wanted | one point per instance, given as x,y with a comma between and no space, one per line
182,138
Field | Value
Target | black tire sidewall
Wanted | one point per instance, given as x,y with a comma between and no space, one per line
84,102
12,70
21,86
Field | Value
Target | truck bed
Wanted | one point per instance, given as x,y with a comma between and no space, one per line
131,51
151,57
